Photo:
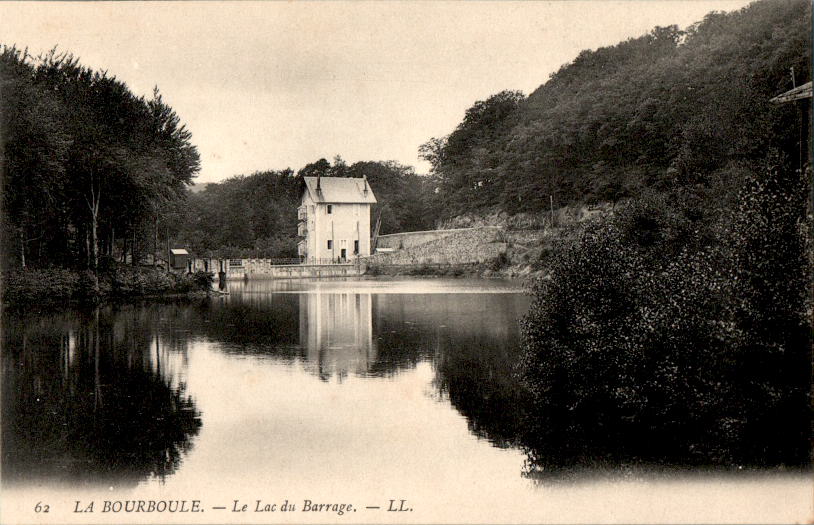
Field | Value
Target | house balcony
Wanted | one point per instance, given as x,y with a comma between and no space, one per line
301,248
302,229
302,213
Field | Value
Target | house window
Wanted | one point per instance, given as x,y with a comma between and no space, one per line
355,247
330,244
330,208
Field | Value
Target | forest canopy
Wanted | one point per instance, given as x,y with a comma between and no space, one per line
87,162
672,108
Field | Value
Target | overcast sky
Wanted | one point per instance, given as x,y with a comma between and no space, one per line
270,85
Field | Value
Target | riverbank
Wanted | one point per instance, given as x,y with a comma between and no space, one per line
500,268
51,287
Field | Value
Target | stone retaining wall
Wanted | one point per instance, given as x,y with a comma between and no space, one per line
402,241
466,246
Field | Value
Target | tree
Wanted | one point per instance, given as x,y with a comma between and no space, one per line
670,108
86,159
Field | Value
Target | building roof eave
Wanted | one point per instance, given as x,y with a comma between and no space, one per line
340,190
798,93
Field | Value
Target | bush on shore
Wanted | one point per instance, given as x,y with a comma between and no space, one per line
29,286
674,332
59,285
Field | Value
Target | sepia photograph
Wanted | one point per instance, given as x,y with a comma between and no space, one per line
406,262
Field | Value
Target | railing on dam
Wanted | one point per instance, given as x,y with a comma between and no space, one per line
279,268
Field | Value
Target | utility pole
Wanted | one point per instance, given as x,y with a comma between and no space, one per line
800,125
804,93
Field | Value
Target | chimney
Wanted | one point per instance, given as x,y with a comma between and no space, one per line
364,177
319,189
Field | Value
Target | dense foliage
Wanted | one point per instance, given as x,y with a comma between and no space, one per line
667,109
90,169
55,287
243,216
256,215
673,333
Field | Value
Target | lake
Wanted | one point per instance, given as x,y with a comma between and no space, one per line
364,392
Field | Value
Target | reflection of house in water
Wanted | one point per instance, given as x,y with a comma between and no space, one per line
337,332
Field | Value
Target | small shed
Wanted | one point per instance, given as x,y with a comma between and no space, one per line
179,258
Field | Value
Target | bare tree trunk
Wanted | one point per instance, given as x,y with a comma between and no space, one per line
97,378
22,248
93,204
168,251
94,226
155,241
157,356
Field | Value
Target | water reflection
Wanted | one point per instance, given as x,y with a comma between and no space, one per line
91,397
370,328
102,396
337,332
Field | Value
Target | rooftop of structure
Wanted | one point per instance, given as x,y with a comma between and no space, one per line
340,190
798,93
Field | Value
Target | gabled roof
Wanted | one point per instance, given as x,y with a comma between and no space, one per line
339,190
797,93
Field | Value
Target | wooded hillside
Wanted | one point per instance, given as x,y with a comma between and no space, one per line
671,108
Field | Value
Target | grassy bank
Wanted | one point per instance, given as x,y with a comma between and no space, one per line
55,286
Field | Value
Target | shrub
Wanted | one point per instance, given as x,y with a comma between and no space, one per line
128,281
49,285
90,288
664,335
499,262
134,281
58,285
202,280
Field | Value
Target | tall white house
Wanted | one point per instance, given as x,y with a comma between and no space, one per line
334,219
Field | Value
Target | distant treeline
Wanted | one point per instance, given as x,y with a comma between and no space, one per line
256,215
671,108
88,165
91,169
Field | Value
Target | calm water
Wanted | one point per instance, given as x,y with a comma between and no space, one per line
335,391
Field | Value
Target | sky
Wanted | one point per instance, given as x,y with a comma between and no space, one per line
271,85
